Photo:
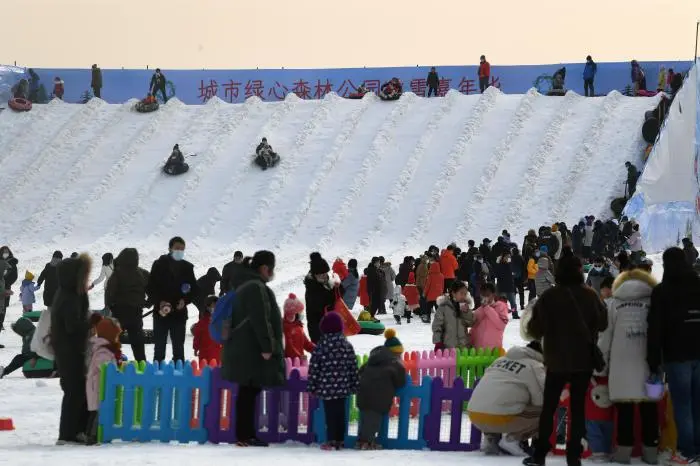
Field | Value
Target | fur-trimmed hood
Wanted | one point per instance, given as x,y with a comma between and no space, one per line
633,284
73,274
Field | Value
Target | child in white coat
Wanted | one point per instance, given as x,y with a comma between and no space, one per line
398,305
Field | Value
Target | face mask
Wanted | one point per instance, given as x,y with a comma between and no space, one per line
598,269
480,261
5,255
178,255
537,254
507,261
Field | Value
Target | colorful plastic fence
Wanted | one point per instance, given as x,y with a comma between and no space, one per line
190,404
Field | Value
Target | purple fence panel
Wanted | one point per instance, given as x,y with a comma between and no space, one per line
457,394
219,419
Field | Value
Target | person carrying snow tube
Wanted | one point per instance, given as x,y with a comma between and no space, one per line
176,163
391,90
265,157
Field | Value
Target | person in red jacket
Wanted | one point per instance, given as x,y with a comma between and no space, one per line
484,73
203,344
340,269
448,266
410,292
362,291
295,340
434,288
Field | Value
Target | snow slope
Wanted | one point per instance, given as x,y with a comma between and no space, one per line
357,178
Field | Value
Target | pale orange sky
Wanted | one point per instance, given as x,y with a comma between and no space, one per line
330,33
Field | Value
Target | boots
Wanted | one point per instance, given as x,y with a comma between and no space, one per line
622,455
398,320
650,455
573,453
489,444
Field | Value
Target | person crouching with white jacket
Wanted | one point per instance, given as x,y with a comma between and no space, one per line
628,368
508,400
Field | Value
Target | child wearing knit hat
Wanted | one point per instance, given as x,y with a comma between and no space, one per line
26,292
380,378
105,349
295,339
333,377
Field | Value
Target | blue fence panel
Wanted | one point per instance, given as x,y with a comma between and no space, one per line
197,86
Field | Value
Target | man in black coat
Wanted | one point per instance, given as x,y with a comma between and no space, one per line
125,297
171,287
632,177
433,82
10,273
50,278
374,286
69,336
691,254
158,84
232,274
206,285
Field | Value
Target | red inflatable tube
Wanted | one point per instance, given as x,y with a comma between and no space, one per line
19,104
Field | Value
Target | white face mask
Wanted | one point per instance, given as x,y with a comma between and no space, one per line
480,261
598,269
5,255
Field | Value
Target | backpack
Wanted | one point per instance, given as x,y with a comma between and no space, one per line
220,326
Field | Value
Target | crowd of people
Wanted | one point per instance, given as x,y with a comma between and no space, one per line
640,330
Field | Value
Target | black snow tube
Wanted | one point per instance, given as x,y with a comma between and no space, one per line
650,130
618,205
389,98
174,170
143,107
556,92
261,162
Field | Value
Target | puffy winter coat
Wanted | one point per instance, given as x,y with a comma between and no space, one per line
26,292
380,378
450,324
511,384
170,281
484,69
101,354
590,70
489,324
69,313
333,368
105,272
410,291
628,312
422,273
319,298
434,284
295,340
532,269
544,279
125,293
206,285
389,277
351,285
504,277
202,343
232,276
24,328
448,264
256,329
49,276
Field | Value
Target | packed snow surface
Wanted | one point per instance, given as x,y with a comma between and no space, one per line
357,178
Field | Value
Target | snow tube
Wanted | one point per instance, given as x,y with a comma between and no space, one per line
389,98
262,163
650,130
41,370
147,337
618,205
19,104
557,92
174,170
356,95
367,327
33,316
143,107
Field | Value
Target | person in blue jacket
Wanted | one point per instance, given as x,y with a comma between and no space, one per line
589,72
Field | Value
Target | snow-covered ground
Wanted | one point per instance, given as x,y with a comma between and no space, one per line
357,178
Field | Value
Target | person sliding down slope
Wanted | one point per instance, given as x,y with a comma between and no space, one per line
175,164
265,157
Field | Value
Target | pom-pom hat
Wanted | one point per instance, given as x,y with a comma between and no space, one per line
292,305
392,342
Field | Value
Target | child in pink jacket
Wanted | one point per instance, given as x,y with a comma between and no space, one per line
490,319
105,349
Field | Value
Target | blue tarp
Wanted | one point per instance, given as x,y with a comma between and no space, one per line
196,86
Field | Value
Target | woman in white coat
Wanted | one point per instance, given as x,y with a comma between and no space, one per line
628,368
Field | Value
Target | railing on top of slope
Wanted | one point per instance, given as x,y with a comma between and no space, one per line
325,167
537,160
409,171
268,194
51,211
379,144
583,156
166,112
205,158
487,101
283,109
481,190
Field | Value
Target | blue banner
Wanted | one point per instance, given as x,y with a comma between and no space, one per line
197,86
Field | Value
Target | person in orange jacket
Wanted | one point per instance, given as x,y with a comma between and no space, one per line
484,73
434,288
532,269
448,266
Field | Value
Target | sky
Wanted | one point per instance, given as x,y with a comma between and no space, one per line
228,34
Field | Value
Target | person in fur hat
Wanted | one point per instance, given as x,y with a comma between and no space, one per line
333,377
295,339
105,349
322,290
380,378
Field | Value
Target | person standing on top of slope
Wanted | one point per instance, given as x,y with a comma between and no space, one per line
484,73
433,82
158,84
96,81
589,72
